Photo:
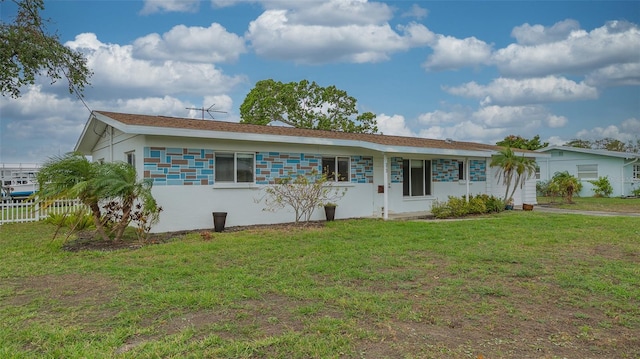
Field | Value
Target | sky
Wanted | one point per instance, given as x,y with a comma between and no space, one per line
466,70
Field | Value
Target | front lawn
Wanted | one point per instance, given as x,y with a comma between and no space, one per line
613,204
513,285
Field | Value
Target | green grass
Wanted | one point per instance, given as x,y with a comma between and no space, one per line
613,204
517,284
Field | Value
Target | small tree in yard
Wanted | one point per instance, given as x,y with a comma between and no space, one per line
514,170
93,183
567,184
302,192
602,187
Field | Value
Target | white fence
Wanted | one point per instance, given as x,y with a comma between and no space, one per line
16,211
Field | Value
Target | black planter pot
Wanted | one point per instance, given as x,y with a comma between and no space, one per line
330,212
219,219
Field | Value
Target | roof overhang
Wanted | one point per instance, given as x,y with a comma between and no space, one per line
98,123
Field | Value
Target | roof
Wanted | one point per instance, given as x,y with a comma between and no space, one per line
625,155
173,126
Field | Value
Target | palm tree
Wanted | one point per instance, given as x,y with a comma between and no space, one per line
567,184
71,176
118,181
512,165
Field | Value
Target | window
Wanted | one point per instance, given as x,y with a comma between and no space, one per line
417,178
131,158
339,173
587,171
537,172
234,167
636,172
461,170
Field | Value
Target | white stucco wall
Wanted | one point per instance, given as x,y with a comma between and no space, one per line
611,167
190,207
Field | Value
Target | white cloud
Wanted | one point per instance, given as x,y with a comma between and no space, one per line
628,130
615,75
416,12
631,126
538,34
335,13
465,131
119,73
393,125
153,6
506,91
452,53
579,52
487,124
274,35
439,117
554,121
191,44
38,125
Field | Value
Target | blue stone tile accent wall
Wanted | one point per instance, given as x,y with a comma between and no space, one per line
361,169
178,166
273,165
477,170
444,170
396,170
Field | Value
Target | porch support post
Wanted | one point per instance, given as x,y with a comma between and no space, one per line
385,183
467,177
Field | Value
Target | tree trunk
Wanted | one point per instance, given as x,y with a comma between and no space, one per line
95,210
124,222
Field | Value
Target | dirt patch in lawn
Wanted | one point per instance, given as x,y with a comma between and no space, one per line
70,298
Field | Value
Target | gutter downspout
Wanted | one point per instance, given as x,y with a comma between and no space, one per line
385,194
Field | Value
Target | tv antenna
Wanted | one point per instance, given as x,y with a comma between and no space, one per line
209,110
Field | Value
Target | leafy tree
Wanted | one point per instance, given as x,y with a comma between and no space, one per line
516,141
514,170
607,143
305,104
27,51
566,184
602,187
578,143
302,192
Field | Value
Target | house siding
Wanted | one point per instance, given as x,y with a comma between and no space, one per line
183,172
190,166
614,168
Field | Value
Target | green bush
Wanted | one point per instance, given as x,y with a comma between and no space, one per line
77,221
459,207
602,187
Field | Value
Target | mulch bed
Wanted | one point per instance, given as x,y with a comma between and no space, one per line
89,241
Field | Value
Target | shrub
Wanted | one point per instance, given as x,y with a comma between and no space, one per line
602,187
459,207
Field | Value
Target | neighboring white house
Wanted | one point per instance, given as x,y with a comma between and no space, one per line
199,167
622,168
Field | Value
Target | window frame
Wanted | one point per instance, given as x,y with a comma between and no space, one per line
584,173
635,172
236,169
130,157
337,177
427,178
461,171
